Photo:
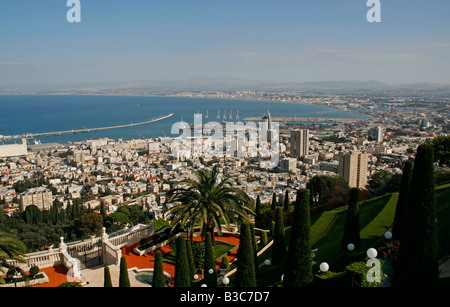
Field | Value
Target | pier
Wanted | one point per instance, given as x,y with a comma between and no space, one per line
85,130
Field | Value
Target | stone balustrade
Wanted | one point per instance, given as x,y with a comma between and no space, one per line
110,247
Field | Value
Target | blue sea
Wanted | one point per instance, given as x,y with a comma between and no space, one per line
37,113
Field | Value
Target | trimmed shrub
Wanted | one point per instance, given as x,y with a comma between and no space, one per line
279,241
352,225
299,263
419,248
70,284
356,275
182,278
159,279
190,257
124,280
245,275
107,283
34,270
210,263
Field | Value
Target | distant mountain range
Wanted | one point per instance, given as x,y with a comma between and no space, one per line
232,84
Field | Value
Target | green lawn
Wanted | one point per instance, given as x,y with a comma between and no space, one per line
221,249
375,215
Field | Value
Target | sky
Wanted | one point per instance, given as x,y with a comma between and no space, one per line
260,40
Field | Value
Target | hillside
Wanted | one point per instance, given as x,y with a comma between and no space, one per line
376,217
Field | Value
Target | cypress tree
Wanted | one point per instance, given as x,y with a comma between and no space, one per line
103,213
263,238
257,210
298,270
210,263
272,228
107,283
245,274
124,280
182,278
286,201
279,250
190,257
402,202
417,263
352,226
274,202
254,244
159,279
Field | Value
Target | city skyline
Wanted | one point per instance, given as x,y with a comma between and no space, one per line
286,41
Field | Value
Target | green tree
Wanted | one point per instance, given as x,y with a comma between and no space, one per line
254,244
32,215
107,283
274,202
352,224
286,201
210,263
441,145
245,274
263,238
10,248
257,209
159,279
124,280
326,187
190,256
417,263
208,202
279,250
298,270
103,213
182,278
402,202
89,223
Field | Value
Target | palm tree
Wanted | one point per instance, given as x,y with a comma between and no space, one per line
10,248
208,202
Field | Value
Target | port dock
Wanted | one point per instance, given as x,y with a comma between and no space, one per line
84,130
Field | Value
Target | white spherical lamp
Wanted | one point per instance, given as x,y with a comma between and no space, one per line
195,276
210,271
225,281
388,235
372,252
351,246
324,267
267,262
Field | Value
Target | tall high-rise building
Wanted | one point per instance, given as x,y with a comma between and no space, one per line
267,126
353,167
299,142
375,134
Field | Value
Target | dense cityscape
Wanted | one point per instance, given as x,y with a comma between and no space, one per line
105,176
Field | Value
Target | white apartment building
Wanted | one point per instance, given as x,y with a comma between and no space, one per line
40,197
